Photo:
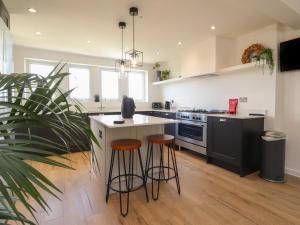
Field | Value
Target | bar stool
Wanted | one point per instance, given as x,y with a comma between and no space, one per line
161,140
130,146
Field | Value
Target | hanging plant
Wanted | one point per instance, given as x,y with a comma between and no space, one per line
266,58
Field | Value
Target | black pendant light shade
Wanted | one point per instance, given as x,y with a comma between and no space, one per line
122,65
134,56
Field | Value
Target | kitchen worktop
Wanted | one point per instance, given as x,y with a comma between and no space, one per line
111,110
235,116
137,120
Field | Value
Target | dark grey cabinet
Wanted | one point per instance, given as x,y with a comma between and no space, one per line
235,144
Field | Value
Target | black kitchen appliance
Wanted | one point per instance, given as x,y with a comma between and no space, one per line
157,105
168,105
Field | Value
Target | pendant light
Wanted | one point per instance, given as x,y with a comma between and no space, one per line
122,65
135,56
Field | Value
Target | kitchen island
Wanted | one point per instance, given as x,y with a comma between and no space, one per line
106,131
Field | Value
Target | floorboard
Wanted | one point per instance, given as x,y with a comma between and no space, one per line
210,195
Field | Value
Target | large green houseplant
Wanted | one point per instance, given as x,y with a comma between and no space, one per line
30,101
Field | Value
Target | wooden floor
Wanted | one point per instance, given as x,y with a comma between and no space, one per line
210,195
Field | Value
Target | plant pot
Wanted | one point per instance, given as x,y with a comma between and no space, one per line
158,75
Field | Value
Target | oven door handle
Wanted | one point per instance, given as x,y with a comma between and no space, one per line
193,124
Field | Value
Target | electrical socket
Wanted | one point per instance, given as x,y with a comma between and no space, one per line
243,99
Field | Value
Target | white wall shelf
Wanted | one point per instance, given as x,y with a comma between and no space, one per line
237,68
230,69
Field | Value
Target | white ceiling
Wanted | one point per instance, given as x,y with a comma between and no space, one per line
67,25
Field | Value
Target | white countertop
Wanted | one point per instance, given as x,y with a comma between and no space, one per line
110,110
235,116
137,120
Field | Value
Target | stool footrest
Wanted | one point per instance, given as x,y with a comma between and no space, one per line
162,178
128,189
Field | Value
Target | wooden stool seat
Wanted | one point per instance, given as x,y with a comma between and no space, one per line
161,139
126,145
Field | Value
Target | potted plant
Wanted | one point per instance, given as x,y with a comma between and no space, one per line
156,67
266,58
37,102
165,74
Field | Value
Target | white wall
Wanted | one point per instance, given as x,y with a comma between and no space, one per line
214,92
194,60
288,108
21,53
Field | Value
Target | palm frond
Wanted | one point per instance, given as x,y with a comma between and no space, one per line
37,103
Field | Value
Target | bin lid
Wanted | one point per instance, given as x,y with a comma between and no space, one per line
273,135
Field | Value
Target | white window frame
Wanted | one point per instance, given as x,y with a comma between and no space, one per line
95,75
145,85
79,66
38,62
119,86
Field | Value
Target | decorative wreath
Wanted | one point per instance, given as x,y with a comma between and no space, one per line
255,49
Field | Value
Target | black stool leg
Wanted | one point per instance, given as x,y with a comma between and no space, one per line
159,173
168,163
125,171
110,173
131,172
161,147
147,162
143,174
120,190
175,166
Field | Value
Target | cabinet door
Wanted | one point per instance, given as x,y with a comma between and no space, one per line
225,139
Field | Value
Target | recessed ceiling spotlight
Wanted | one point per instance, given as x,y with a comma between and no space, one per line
32,10
89,42
212,27
179,43
157,53
38,33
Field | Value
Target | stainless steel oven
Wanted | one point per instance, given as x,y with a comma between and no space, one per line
192,132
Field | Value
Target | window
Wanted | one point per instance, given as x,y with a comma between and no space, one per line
109,85
79,80
137,86
40,68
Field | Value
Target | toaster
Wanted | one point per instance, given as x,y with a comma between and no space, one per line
157,105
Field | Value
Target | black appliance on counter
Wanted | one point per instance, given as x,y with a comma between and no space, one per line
157,105
168,105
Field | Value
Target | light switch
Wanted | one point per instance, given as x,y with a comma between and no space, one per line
243,99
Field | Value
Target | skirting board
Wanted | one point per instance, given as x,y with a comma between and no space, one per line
292,172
